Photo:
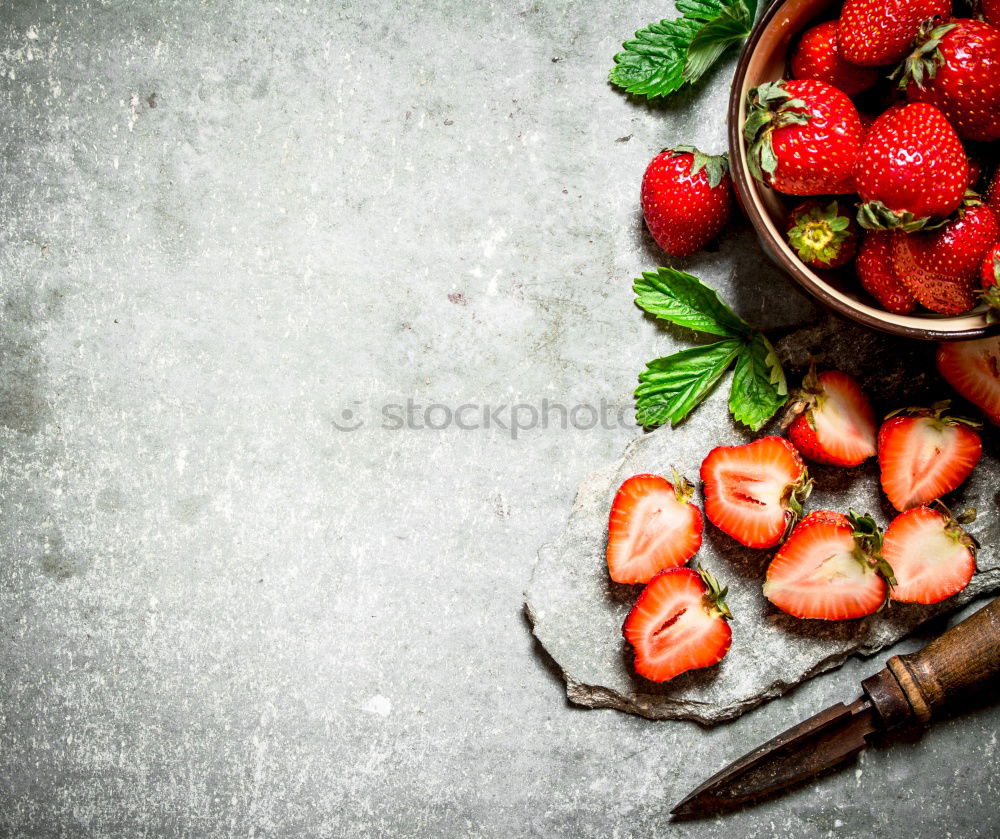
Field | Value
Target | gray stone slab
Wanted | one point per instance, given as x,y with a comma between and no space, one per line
577,611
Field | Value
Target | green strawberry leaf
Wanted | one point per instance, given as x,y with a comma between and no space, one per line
671,387
683,299
731,26
759,388
664,56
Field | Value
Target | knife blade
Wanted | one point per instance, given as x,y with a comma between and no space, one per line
957,669
822,742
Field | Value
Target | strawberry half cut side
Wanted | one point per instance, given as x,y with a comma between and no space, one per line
932,556
680,622
830,568
652,527
973,369
755,492
831,420
923,454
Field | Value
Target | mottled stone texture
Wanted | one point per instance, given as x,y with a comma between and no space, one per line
225,224
577,611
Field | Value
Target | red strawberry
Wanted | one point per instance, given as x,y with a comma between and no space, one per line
803,137
992,194
931,556
940,267
991,11
912,168
989,273
877,32
924,454
973,369
817,57
874,267
686,199
679,623
834,422
755,492
941,293
830,569
824,235
956,66
975,173
652,527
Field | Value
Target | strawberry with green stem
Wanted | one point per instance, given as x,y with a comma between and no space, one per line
941,267
830,568
755,492
912,169
824,235
686,199
830,420
680,622
803,137
956,67
873,33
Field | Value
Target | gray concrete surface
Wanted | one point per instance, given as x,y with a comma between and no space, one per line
224,226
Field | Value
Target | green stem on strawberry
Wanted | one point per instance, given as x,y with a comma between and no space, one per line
874,215
770,107
716,166
923,63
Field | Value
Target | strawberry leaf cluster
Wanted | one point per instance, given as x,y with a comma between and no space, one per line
671,387
665,56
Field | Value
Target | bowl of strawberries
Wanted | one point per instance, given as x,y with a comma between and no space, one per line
864,139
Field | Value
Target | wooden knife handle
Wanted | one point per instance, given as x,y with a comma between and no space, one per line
960,667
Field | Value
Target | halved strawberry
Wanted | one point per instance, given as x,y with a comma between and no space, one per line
830,568
931,555
755,492
973,369
924,454
652,527
679,623
833,421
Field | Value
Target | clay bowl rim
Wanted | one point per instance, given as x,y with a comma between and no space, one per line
909,326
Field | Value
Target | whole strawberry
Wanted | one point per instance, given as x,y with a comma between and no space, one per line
824,235
875,271
817,57
686,199
940,292
803,137
912,168
958,247
956,66
940,267
873,33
